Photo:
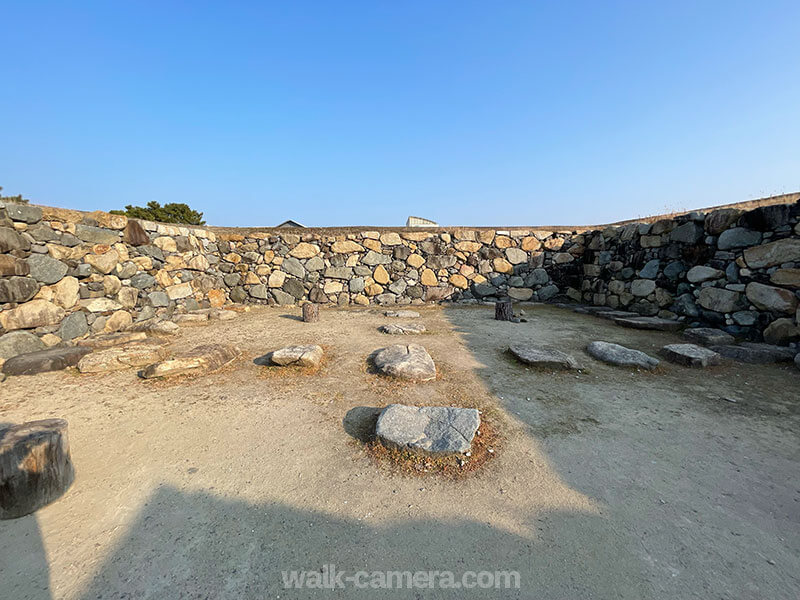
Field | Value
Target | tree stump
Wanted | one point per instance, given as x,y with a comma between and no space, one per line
310,312
503,310
35,466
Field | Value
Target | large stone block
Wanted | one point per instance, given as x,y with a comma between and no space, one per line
719,299
773,253
18,289
36,313
767,297
432,429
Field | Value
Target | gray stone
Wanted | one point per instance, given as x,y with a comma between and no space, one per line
294,287
52,359
719,300
45,269
356,285
738,237
373,258
19,342
548,292
294,267
542,356
158,298
99,235
702,273
10,241
410,362
653,323
238,294
642,287
758,354
773,253
690,355
481,290
402,314
282,297
688,233
73,326
142,281
745,318
708,336
767,297
24,213
259,291
673,270
620,355
408,329
315,264
42,233
650,269
537,277
797,361
301,356
232,279
17,289
431,429
719,220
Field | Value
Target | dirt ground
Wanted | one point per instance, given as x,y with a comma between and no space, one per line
607,483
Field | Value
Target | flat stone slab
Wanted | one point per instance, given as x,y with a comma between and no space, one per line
708,336
109,340
617,314
407,329
758,354
542,356
620,355
654,323
431,429
410,362
301,356
402,314
134,354
691,355
155,327
199,360
191,318
52,359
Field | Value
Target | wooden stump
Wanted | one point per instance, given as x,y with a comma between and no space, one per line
35,466
310,312
503,310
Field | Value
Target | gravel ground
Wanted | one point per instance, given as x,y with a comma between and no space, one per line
607,483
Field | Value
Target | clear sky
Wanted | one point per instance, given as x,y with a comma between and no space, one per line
361,113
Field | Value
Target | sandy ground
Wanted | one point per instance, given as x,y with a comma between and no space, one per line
609,483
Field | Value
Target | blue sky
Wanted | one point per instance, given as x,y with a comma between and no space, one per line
361,113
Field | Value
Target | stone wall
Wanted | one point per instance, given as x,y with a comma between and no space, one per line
65,274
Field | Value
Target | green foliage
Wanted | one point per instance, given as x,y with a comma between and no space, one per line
19,199
174,212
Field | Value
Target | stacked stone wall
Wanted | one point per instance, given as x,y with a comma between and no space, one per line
66,274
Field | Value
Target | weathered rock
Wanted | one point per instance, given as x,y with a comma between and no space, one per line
199,360
642,287
738,237
708,336
179,290
719,299
690,355
702,273
18,289
786,277
96,235
542,356
35,466
104,263
620,355
19,342
781,332
52,359
650,269
654,323
294,287
410,362
10,241
688,233
301,356
402,314
719,220
11,265
73,326
408,329
97,305
134,234
25,213
158,299
432,429
132,354
109,340
767,297
755,353
36,313
155,326
773,253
